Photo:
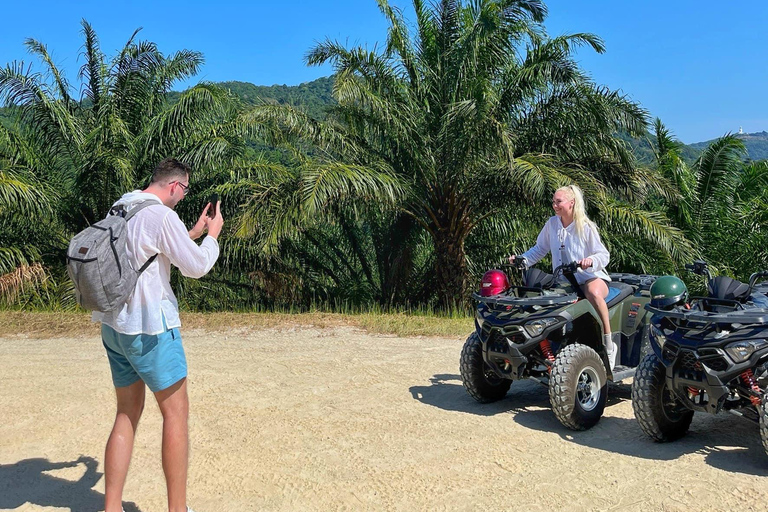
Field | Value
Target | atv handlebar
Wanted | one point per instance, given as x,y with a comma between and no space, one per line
567,268
753,279
519,263
699,267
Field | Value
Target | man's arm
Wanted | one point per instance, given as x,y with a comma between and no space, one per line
191,259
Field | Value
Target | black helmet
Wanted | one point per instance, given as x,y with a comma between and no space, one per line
668,291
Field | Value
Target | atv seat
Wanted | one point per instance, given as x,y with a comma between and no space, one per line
617,292
723,287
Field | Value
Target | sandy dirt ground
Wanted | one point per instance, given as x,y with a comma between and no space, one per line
336,419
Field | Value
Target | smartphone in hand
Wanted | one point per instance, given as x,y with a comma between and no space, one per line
213,200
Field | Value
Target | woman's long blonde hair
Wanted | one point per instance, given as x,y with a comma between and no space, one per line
579,210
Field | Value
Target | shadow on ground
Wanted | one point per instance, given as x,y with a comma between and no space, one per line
446,392
727,443
27,481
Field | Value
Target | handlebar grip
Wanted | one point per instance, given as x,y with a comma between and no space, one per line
690,267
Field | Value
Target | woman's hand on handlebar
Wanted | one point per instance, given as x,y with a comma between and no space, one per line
585,263
518,262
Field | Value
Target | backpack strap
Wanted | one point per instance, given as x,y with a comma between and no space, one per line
148,263
136,209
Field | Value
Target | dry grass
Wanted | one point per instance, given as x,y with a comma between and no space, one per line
15,282
46,325
59,325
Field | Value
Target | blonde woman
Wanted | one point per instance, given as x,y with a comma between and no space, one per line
570,236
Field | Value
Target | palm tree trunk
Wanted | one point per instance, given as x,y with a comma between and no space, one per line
450,269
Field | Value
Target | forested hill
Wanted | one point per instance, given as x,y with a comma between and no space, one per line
756,143
644,152
312,96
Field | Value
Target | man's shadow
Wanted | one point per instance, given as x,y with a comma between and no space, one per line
728,443
26,481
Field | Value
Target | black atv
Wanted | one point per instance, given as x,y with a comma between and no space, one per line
545,330
709,355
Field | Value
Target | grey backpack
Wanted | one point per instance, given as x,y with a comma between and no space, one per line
97,262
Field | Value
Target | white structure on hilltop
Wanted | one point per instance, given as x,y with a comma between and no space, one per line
741,132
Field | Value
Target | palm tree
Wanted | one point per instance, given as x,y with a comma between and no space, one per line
109,140
479,114
720,201
26,203
93,148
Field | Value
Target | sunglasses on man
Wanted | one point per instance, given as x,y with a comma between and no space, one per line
184,188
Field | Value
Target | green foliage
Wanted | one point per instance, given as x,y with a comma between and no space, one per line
392,185
720,202
63,162
477,113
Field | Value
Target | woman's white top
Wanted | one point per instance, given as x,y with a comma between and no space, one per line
567,246
157,229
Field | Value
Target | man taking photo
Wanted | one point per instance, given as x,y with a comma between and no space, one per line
142,337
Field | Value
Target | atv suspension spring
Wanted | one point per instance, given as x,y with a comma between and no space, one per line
693,391
546,349
749,379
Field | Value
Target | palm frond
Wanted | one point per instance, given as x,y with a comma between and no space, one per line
653,227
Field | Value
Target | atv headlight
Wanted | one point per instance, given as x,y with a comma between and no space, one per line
536,327
741,350
658,335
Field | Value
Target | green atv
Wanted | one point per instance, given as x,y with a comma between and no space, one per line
547,331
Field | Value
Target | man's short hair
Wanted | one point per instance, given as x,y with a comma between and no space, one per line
169,170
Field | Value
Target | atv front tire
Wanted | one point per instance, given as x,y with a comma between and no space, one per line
480,381
661,416
578,387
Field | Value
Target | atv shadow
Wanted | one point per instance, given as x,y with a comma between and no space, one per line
447,392
27,481
727,443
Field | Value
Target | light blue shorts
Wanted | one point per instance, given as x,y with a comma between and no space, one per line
158,360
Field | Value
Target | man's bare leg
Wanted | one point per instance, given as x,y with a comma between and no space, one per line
117,458
174,406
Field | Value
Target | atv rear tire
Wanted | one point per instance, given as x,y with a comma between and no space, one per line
479,379
764,421
661,416
578,387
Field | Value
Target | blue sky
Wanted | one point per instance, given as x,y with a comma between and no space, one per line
700,66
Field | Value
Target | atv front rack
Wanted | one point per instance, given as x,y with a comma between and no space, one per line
544,300
756,316
642,281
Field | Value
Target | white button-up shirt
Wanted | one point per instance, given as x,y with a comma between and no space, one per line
157,229
567,246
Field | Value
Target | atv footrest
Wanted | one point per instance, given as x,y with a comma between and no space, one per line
622,372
